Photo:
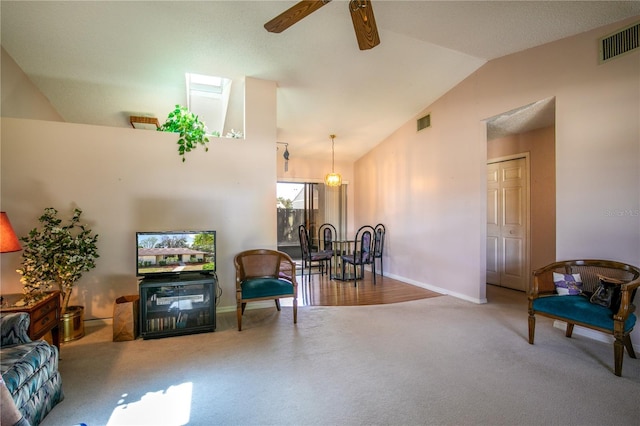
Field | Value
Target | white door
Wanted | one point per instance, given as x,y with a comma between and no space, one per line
507,223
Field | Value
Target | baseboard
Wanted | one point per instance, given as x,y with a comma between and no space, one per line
588,333
230,308
438,289
98,322
253,305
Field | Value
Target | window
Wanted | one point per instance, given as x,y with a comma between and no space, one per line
311,204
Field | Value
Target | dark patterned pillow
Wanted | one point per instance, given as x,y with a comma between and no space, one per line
608,293
567,284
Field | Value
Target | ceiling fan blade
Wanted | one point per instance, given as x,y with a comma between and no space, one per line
294,14
364,24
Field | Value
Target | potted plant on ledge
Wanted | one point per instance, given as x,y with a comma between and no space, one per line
58,254
193,132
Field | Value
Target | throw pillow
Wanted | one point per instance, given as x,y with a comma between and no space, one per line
567,284
608,293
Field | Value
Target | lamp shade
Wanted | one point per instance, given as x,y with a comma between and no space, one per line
8,240
333,179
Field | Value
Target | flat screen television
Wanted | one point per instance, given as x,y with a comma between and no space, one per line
165,253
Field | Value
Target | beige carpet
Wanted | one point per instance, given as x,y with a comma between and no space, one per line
439,361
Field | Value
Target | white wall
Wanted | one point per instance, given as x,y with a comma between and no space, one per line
127,180
429,187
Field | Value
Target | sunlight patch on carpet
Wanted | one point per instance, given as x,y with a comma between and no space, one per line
171,407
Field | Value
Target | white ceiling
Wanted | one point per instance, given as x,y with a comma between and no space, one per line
98,62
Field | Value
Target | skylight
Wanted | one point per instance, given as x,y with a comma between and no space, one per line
203,84
208,98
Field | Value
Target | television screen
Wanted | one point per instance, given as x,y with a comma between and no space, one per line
175,252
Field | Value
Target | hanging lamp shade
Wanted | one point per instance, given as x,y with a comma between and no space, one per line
333,179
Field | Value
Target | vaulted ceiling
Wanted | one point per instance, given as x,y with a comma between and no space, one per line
100,61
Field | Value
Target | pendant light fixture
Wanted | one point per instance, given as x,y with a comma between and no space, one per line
333,178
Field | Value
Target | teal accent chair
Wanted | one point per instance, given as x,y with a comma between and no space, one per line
577,309
263,274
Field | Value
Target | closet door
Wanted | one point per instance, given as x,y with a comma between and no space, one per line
507,223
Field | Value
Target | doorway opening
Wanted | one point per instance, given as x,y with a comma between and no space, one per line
526,132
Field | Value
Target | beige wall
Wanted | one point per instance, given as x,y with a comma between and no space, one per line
127,180
429,187
540,145
20,98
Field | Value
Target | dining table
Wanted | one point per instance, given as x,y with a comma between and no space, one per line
343,247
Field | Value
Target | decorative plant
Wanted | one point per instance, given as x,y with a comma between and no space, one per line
57,254
193,132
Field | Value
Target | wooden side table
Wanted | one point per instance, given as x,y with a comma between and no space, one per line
44,314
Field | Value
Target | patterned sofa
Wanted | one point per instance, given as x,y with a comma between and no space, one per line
29,368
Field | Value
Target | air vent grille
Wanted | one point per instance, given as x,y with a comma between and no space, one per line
623,41
424,122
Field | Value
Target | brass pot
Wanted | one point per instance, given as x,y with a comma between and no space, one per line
72,323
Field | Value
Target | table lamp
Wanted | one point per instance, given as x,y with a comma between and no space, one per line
8,240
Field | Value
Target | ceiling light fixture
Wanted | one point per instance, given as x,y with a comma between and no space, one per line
333,178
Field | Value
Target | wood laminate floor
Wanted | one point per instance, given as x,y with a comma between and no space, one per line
320,290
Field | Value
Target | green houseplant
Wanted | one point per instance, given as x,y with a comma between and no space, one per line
57,254
193,132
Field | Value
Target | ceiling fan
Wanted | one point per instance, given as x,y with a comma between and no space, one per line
364,23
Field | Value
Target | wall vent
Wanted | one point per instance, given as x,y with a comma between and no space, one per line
424,122
619,43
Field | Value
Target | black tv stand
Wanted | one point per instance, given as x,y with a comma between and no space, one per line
177,304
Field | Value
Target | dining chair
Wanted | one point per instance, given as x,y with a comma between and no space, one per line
327,235
263,274
379,247
363,253
308,256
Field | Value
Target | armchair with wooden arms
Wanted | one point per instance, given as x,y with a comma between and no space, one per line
617,321
263,274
